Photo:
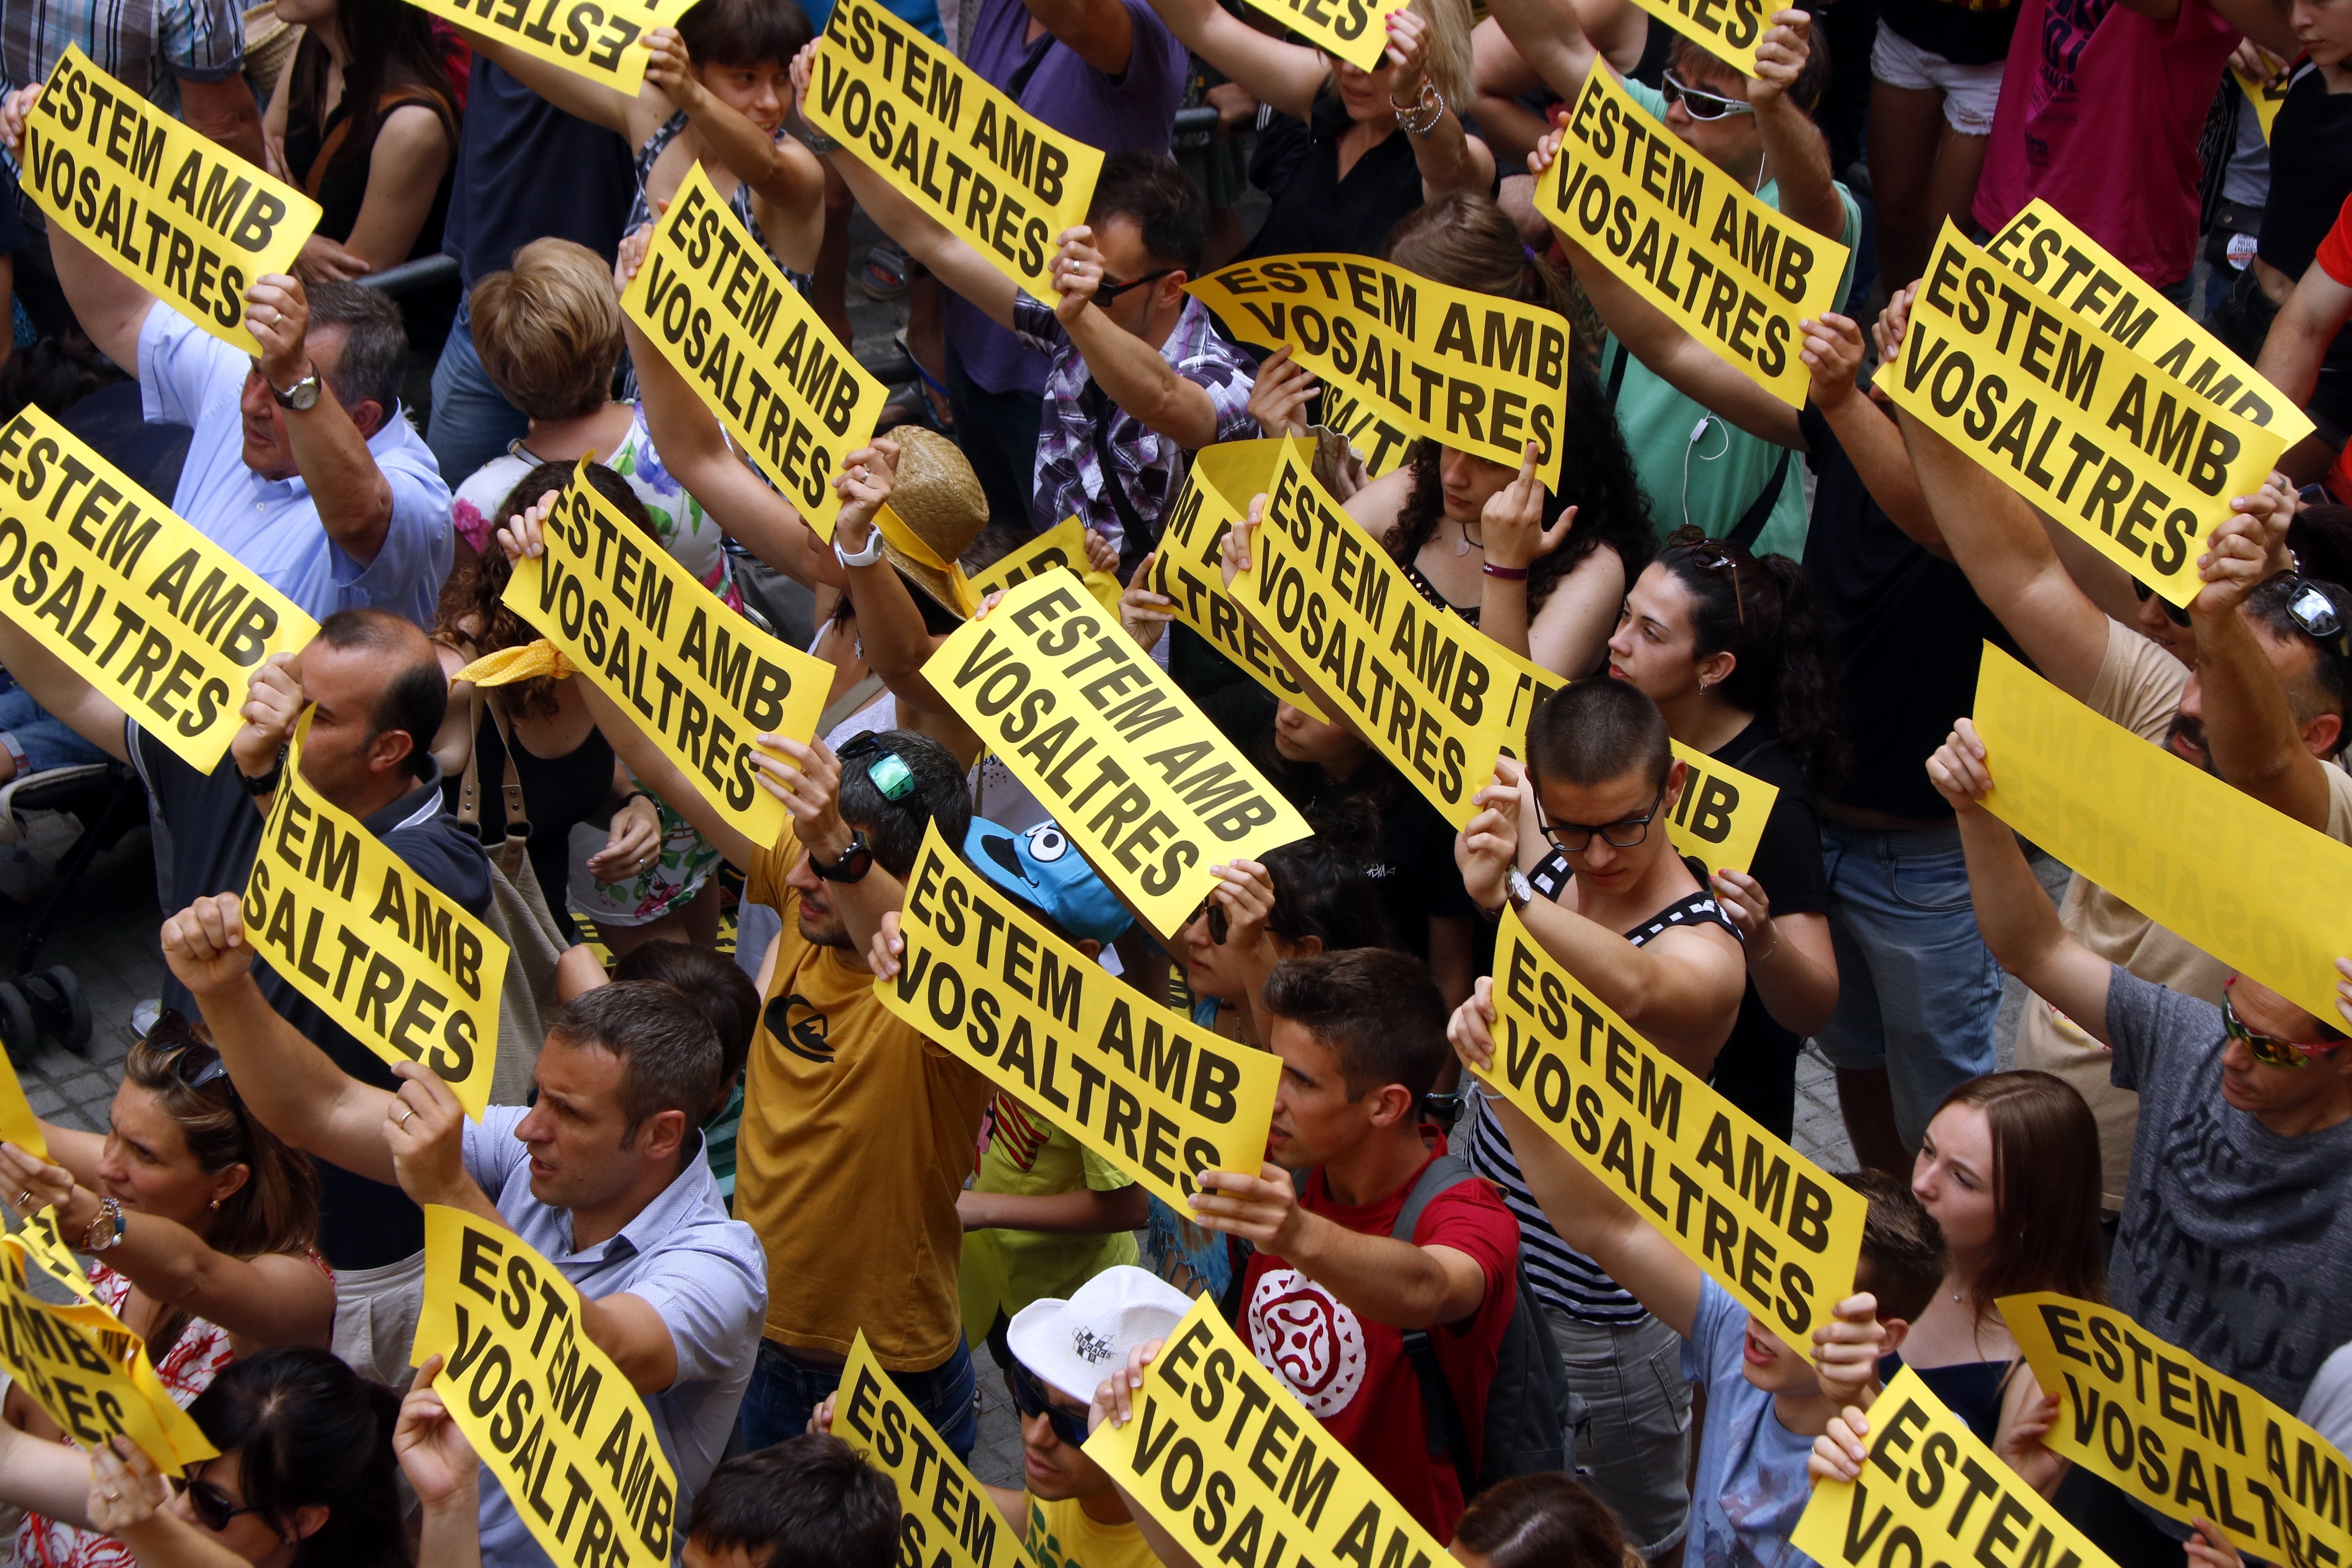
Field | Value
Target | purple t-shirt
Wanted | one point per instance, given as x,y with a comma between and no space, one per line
1128,113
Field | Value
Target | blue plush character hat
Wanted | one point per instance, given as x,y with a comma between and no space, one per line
1043,869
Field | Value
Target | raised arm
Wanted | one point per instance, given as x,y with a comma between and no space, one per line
574,94
890,627
1867,432
1387,1280
331,452
1286,75
779,169
1099,32
271,1299
109,305
1552,39
1796,154
1448,157
1131,372
2301,332
2018,922
285,1080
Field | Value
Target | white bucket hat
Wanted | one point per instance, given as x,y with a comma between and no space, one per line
1073,1346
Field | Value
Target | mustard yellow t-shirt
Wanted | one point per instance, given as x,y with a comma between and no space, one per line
858,1134
1062,1536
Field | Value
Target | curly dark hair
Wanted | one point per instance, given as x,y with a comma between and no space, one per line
1761,610
477,589
1596,476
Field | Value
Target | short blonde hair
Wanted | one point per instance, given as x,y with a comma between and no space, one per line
549,329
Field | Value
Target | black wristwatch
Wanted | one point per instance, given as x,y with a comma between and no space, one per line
255,788
854,862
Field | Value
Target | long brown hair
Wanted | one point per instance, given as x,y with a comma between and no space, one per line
2046,1181
391,51
276,1209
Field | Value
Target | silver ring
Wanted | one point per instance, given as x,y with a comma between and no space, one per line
406,1114
25,1200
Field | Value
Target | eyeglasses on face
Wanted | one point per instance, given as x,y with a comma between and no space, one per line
1625,833
1032,1397
215,1509
888,771
1701,104
2172,612
2269,1049
1107,290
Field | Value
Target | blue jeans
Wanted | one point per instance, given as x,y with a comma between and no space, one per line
786,1392
472,421
40,742
1917,992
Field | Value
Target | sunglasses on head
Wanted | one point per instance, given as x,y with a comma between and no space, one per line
1699,103
888,771
2314,613
196,1063
1032,1397
1709,555
2269,1049
1625,833
1107,290
2172,612
212,1508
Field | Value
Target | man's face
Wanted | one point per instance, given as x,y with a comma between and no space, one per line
267,451
2259,1088
1315,1118
2293,657
1053,1470
344,686
1139,310
821,924
1731,143
574,1130
1602,866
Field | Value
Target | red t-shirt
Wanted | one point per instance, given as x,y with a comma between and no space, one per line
2335,258
1353,1375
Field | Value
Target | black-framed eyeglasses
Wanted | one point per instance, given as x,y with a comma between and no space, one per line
888,771
2315,614
213,1509
1625,833
1107,290
2174,613
1709,555
2269,1049
1699,103
1032,1397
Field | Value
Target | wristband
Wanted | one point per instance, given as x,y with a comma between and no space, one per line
1507,574
645,795
255,788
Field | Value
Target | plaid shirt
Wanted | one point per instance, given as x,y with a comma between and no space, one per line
1149,465
149,45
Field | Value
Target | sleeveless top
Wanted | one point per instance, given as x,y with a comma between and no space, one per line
316,156
1428,590
1564,1278
1316,209
641,209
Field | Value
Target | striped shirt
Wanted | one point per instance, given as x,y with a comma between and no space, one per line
149,45
1564,1278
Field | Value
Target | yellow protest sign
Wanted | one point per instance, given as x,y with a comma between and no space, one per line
547,1411
2257,890
1732,271
965,154
1945,1498
1727,30
1064,545
378,949
173,211
162,622
2119,450
1225,1458
1414,680
88,1373
2187,1441
700,681
1148,1090
1768,1224
2266,94
1353,30
591,38
1134,772
18,1125
2074,269
1403,356
1187,566
937,1492
722,312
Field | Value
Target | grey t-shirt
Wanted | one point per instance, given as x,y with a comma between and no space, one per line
2236,1242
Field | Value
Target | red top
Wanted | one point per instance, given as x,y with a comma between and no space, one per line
1353,1375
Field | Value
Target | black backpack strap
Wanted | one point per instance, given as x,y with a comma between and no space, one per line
1441,1413
1759,510
1616,372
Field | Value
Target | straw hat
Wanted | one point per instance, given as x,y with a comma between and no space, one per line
936,509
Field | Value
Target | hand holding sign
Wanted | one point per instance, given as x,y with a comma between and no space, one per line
440,1465
2247,550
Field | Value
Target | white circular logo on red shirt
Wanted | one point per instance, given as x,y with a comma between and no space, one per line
1311,1342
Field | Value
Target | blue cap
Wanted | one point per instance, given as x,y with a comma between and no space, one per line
1043,869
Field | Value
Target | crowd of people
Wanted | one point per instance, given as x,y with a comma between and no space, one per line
705,1117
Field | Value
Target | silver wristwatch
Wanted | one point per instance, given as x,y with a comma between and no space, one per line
1517,891
302,395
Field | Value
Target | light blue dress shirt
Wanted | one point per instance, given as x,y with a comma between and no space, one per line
190,377
706,1276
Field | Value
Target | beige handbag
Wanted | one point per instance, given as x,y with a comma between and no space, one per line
520,913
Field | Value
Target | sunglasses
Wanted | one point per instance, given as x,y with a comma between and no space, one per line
2172,612
2314,612
1030,1398
888,771
2269,1049
196,1063
214,1509
1107,290
1700,104
1709,555
1575,838
1219,923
